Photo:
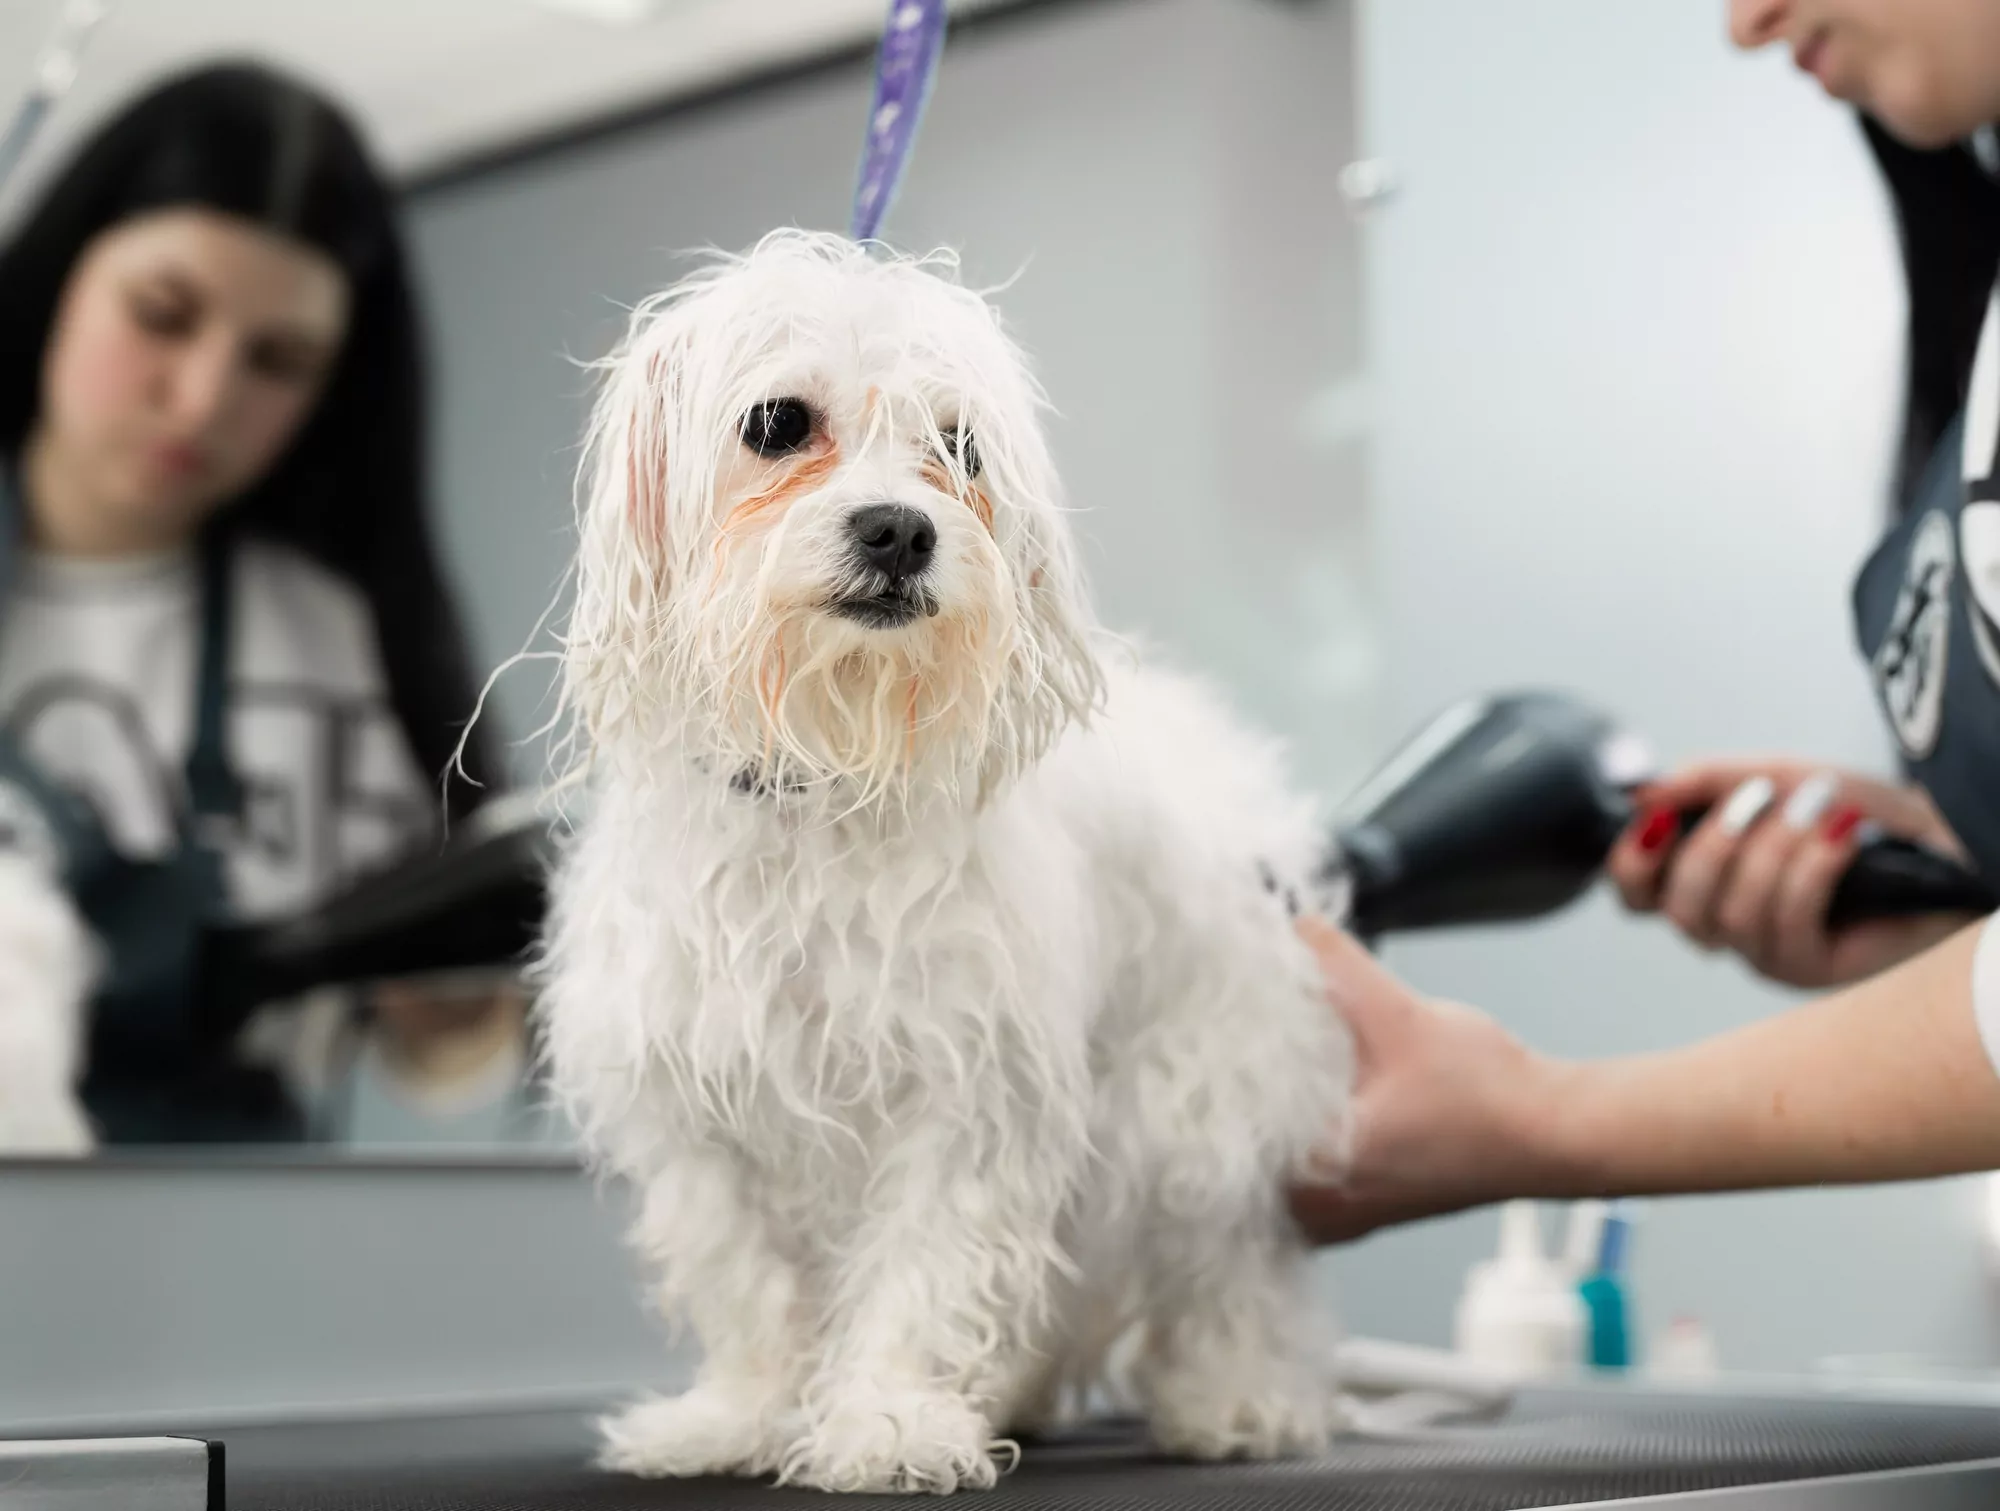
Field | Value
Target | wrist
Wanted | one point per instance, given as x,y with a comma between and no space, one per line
1552,1129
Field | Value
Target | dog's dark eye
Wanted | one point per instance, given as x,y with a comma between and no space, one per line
778,427
959,444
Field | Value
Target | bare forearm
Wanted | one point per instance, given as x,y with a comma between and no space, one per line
1884,1081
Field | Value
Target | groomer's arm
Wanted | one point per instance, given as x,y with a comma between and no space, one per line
1887,1080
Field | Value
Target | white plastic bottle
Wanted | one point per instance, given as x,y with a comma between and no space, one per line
1583,1238
1520,1311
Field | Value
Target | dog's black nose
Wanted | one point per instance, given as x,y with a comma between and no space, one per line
894,539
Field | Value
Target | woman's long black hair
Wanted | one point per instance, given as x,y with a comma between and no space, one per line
1948,217
350,491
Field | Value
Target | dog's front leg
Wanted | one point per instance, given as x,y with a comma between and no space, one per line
722,1273
930,1310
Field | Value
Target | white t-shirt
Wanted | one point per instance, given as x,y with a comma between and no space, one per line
98,661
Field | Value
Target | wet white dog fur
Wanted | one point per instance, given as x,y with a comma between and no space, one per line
922,958
48,964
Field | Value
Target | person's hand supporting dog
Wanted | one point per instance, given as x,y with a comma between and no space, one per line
1888,1080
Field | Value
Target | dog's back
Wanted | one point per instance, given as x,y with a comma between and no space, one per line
1218,1067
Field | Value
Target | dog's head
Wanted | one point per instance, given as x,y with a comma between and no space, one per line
822,543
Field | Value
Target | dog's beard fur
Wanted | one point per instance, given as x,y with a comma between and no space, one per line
703,618
935,1025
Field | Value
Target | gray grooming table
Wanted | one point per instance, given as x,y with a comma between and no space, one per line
1554,1449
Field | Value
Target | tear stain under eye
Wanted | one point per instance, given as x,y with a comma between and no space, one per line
973,497
802,478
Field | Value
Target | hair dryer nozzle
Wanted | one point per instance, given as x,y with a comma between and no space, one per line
1501,809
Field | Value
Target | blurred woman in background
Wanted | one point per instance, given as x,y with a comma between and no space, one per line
231,674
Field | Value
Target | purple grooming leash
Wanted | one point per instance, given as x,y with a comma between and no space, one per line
912,39
54,72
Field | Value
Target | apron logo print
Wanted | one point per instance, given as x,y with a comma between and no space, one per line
1910,666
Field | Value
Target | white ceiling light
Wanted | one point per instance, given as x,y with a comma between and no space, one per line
608,12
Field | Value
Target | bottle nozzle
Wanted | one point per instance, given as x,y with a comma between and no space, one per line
1585,1238
1521,1232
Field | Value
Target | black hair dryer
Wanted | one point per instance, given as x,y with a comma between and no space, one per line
1505,808
477,902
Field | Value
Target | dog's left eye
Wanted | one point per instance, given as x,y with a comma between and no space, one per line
959,444
778,427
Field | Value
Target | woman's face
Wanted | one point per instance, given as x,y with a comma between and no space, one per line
187,350
1928,70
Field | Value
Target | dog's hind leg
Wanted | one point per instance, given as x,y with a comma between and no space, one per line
1233,1362
723,1274
1237,1073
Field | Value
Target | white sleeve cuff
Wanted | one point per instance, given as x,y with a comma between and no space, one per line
1986,989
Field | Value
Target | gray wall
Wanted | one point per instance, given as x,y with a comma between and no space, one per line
1160,175
1634,329
190,1295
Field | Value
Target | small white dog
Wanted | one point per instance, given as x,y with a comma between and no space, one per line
926,966
48,963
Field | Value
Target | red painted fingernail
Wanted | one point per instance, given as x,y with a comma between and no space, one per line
1657,827
1841,823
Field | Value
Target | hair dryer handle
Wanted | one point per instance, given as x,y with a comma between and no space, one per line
1894,878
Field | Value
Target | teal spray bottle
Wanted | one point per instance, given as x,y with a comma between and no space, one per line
1608,1334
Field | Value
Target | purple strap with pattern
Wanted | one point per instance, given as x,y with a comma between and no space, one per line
912,39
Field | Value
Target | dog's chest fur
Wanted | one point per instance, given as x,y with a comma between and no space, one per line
803,987
803,993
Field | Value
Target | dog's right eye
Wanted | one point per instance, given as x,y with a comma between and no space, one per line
778,427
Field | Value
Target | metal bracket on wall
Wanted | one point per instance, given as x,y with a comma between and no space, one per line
1369,183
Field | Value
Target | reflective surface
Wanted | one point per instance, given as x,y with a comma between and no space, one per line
1248,427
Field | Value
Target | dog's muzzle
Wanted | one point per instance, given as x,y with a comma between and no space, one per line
891,547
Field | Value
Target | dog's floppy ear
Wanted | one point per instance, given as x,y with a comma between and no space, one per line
646,454
1055,608
630,450
627,557
1053,666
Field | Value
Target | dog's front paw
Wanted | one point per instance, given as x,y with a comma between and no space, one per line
706,1431
897,1443
1274,1412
